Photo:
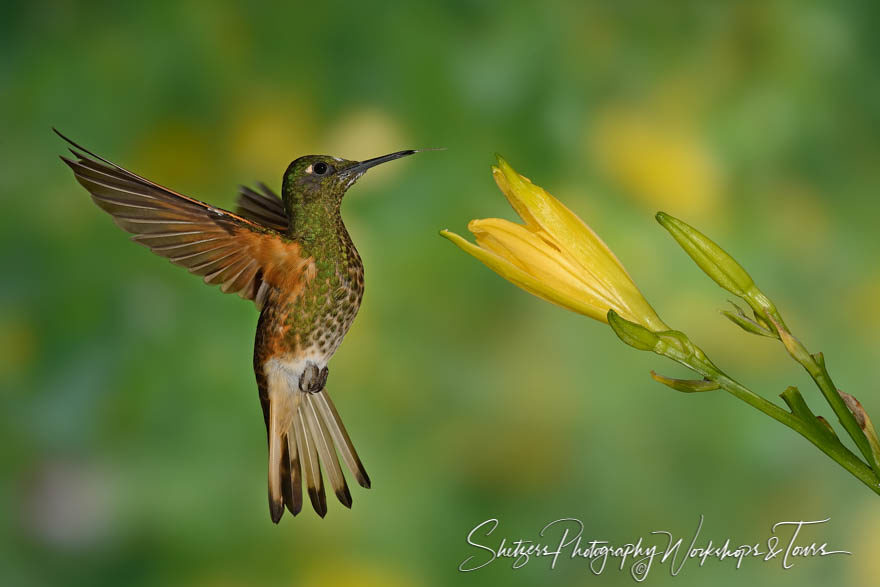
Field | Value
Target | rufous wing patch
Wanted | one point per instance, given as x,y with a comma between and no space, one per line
240,255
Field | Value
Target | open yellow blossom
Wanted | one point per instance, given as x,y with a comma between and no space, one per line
554,255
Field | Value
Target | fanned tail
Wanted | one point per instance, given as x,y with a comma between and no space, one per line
305,433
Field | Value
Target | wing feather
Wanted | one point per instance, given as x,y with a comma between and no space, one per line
265,208
243,253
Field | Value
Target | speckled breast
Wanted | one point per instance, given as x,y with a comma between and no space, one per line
318,319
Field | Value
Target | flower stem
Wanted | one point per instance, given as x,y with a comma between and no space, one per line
675,345
831,446
815,366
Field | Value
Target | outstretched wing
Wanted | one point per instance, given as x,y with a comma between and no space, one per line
263,207
240,255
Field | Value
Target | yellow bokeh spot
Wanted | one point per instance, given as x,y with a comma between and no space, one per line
365,133
268,132
799,219
662,162
866,568
18,346
175,153
355,574
859,306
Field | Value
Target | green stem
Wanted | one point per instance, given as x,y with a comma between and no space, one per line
830,446
819,374
833,448
675,345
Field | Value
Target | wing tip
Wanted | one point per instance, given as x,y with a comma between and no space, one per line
76,145
70,141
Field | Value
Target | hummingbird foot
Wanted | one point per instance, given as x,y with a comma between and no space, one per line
313,379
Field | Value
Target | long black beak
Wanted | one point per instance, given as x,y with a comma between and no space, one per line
364,165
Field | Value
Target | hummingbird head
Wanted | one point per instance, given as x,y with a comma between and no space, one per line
322,179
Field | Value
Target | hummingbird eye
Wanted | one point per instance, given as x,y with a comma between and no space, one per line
320,168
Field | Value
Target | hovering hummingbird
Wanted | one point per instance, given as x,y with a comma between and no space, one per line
292,256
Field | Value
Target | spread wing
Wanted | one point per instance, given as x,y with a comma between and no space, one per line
241,255
263,207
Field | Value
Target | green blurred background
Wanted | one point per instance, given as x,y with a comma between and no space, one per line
132,445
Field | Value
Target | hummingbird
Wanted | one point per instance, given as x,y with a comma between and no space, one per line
293,257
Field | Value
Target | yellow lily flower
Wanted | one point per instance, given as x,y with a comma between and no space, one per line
554,255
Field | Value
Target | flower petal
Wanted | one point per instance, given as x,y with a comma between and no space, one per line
544,212
555,255
536,206
516,203
539,258
520,278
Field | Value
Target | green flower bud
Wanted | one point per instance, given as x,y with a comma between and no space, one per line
711,258
686,385
748,323
635,335
668,343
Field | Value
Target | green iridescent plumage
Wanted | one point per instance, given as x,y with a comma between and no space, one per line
291,256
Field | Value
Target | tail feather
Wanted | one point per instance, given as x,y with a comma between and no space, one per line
331,418
326,452
311,464
291,482
276,451
305,433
